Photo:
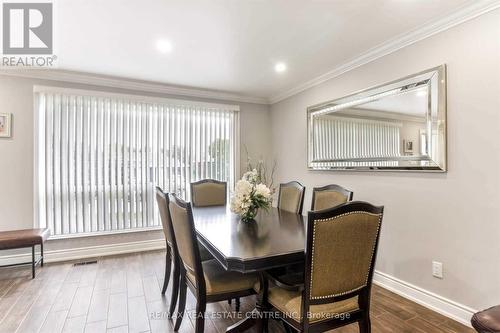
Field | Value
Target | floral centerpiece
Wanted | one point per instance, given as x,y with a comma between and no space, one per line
250,194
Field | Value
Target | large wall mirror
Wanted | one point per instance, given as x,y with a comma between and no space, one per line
400,125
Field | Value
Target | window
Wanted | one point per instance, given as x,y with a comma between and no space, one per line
100,156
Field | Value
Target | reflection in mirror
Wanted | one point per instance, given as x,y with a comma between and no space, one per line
400,125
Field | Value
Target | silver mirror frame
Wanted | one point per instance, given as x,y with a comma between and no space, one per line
435,161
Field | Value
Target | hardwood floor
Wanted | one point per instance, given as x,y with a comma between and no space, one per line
122,294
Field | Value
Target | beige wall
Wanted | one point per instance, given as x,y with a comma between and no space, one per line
17,156
452,217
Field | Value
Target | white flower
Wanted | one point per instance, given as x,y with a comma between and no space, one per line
236,205
263,190
243,188
250,176
248,195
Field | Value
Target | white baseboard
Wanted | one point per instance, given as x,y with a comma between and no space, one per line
87,252
437,303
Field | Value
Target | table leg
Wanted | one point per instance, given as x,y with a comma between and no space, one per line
41,251
258,317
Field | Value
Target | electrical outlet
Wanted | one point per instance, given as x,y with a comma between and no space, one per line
437,269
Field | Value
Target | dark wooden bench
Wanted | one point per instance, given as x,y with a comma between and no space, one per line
16,239
487,321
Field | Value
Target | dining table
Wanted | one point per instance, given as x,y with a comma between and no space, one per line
275,238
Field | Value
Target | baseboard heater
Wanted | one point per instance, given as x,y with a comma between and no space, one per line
85,263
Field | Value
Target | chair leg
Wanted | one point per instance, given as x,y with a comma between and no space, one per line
237,301
364,304
365,324
266,326
182,302
175,287
168,265
200,316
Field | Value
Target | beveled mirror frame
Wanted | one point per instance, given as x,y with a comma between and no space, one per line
436,158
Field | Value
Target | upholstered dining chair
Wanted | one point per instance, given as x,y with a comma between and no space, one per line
291,197
208,192
162,200
329,196
340,257
208,281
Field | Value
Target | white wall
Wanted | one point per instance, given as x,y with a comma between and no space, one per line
17,156
453,217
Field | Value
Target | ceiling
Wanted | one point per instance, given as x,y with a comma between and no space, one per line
231,45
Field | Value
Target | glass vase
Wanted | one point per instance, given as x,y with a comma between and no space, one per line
249,216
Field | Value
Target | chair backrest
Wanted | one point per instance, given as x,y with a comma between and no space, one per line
184,239
162,202
208,192
291,197
340,253
329,196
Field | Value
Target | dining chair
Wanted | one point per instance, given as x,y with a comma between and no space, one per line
162,200
329,196
208,281
340,256
323,198
208,192
291,197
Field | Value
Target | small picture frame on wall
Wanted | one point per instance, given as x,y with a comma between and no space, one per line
408,147
5,125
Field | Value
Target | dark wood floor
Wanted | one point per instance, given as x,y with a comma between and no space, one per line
122,294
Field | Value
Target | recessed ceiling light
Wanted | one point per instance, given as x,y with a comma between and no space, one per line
164,46
280,67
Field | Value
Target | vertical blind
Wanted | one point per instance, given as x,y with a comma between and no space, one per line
100,157
347,138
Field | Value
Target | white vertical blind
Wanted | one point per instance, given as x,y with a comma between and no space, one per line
348,138
100,156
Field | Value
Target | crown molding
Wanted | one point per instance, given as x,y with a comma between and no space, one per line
130,84
468,12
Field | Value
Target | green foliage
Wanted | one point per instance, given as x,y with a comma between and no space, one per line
260,202
219,149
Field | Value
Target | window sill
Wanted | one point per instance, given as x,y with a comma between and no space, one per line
104,233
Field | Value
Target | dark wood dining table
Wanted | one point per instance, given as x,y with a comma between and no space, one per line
275,239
